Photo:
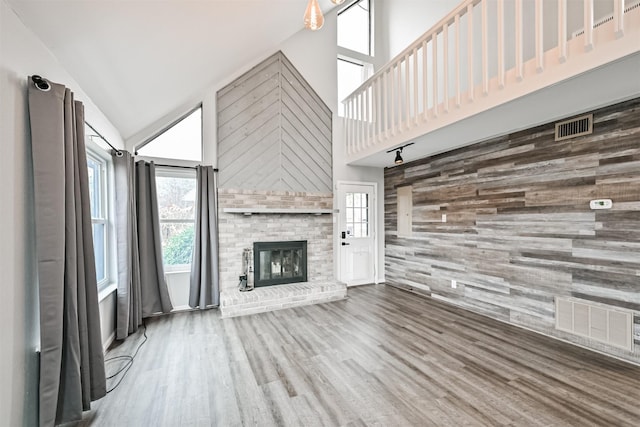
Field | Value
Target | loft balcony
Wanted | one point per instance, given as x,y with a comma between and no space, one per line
491,67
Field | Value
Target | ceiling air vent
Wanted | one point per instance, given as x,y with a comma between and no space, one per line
579,126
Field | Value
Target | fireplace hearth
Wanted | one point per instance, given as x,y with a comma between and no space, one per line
278,263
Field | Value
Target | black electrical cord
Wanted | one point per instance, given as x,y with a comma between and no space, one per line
129,361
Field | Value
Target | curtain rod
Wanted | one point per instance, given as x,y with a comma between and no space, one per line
44,86
181,167
99,135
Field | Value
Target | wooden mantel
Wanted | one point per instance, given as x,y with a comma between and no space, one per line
251,211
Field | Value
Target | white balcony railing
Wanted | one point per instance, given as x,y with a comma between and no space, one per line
480,55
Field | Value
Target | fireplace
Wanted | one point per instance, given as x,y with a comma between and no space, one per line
277,263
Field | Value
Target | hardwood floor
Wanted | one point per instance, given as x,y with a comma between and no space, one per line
382,357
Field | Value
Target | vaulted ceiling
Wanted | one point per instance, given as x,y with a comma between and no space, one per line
139,60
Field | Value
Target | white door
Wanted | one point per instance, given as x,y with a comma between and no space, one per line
357,240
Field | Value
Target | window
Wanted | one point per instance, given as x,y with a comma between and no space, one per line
354,27
181,141
350,76
354,47
357,213
98,197
176,205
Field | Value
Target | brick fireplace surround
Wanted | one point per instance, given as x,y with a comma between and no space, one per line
238,231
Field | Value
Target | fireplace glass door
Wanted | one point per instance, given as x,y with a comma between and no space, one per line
280,262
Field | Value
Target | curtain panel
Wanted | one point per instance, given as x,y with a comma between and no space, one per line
71,361
205,284
142,288
128,305
154,291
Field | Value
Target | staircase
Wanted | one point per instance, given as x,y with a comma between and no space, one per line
483,55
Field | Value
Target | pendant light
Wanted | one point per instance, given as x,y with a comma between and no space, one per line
337,1
313,18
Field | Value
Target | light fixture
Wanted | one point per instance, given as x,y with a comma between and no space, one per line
398,160
313,19
337,1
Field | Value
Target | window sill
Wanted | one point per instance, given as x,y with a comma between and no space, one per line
106,291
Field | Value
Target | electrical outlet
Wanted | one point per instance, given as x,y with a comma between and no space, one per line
454,284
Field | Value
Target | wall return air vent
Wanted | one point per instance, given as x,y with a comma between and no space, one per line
599,322
575,127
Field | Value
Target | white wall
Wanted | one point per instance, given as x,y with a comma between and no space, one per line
22,54
404,21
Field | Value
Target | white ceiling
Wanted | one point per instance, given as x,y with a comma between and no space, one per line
139,60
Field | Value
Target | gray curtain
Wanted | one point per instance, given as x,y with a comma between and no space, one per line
129,303
71,360
154,292
205,284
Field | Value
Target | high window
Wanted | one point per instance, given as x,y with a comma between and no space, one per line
98,197
355,51
176,188
354,27
181,141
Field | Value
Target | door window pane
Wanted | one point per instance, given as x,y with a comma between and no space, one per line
357,215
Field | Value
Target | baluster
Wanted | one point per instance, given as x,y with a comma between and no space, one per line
618,17
407,94
385,104
588,25
378,118
399,95
501,44
539,36
485,49
365,122
445,68
393,99
425,83
347,123
471,89
562,30
519,50
457,82
355,123
415,84
434,65
361,138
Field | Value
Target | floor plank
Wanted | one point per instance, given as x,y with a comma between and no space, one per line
381,357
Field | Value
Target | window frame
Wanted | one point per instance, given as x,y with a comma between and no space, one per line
177,172
105,213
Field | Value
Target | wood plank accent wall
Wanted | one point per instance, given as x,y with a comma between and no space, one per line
519,229
274,131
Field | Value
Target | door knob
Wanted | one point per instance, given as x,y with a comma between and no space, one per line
345,243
